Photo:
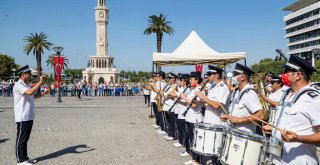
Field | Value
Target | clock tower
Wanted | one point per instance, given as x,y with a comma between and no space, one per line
102,17
101,67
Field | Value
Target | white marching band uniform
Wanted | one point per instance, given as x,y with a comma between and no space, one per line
245,103
298,113
299,117
219,93
194,115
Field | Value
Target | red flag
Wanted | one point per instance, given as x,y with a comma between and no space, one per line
199,68
58,65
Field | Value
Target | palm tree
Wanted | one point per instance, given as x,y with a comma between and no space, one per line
159,25
36,43
50,61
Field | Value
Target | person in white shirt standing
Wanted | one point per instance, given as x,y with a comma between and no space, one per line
194,114
298,116
218,94
168,103
274,97
24,111
245,103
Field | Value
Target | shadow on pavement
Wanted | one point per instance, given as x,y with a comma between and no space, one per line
68,150
3,140
1,111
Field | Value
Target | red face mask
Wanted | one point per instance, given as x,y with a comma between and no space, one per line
285,79
193,85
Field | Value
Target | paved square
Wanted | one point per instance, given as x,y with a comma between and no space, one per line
93,130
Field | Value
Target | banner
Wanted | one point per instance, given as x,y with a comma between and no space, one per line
58,65
199,68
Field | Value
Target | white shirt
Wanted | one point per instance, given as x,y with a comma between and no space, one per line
154,94
146,91
219,93
300,117
176,109
181,108
194,114
169,102
276,95
23,104
248,105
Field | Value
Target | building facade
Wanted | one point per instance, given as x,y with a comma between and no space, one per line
302,28
101,66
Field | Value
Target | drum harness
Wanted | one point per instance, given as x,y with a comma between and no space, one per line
233,100
283,103
232,109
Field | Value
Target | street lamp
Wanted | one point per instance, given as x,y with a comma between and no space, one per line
14,74
58,50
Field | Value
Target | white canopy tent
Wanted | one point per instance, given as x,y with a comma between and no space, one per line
194,50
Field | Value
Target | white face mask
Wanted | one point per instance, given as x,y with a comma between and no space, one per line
234,81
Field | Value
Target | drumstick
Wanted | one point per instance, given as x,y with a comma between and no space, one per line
255,123
265,122
223,108
213,112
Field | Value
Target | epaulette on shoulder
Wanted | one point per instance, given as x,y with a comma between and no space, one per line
313,94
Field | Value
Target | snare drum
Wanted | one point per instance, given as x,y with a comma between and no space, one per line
275,147
243,148
208,139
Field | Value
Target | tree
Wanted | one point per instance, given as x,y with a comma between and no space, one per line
74,73
50,61
159,25
316,76
36,43
269,65
7,63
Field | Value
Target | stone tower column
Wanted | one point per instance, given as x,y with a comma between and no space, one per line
102,18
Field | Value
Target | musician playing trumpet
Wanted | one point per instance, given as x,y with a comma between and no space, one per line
245,102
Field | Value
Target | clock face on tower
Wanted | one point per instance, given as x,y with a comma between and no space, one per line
101,15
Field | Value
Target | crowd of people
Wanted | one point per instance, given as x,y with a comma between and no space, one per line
6,89
80,89
224,118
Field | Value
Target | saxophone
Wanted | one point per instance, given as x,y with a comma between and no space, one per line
158,99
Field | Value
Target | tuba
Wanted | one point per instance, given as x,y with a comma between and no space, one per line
258,79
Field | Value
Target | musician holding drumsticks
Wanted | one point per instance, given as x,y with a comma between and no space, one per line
24,112
298,116
245,103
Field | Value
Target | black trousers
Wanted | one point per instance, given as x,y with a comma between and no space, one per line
190,129
147,99
182,132
156,113
79,93
23,133
170,117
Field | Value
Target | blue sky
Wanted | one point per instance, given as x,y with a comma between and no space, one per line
253,26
